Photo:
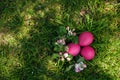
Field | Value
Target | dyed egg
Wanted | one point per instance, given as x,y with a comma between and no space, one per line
88,53
85,38
73,49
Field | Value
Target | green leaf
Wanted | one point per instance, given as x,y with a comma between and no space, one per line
70,38
70,56
81,59
75,39
56,49
69,68
59,48
56,55
62,30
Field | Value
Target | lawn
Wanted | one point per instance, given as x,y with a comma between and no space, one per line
28,28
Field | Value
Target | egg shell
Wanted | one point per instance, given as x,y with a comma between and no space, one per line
88,53
85,38
74,49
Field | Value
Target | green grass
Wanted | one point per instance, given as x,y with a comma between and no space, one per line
27,28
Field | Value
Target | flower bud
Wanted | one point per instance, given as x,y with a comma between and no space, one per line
60,53
67,28
62,59
66,48
74,34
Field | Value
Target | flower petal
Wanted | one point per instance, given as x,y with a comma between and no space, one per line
77,70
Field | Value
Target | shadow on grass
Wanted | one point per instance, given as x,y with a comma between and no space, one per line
36,49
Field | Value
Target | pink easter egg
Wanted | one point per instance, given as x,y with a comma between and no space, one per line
88,53
73,49
86,38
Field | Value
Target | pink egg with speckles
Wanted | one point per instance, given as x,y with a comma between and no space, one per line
88,53
74,49
85,38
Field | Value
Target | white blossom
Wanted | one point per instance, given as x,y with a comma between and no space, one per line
79,66
77,70
65,55
70,32
61,41
68,59
84,65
